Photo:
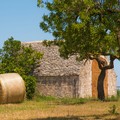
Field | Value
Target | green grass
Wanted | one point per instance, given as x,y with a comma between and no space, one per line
73,101
51,108
66,101
113,98
41,98
118,93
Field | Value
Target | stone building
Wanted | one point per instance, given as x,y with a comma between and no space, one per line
67,77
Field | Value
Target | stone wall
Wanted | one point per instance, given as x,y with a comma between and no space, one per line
85,80
54,65
58,86
112,88
67,86
65,77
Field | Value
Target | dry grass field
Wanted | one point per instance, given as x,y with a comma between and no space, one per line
49,109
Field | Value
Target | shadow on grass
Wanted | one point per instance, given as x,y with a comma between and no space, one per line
58,118
89,117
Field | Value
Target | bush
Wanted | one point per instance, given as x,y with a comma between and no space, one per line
30,82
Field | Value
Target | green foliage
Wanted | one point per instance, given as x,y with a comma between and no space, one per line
30,82
112,98
14,57
39,98
55,42
66,101
87,27
39,3
118,93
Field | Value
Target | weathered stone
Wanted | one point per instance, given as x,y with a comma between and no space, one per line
66,77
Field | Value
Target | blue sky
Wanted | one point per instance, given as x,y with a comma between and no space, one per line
20,19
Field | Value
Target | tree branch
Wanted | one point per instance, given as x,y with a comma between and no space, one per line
103,64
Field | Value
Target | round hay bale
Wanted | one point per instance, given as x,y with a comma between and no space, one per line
12,88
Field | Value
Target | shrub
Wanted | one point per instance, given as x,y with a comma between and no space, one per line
30,82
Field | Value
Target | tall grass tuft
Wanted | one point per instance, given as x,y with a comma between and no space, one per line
113,109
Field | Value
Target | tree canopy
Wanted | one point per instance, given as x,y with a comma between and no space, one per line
89,28
14,57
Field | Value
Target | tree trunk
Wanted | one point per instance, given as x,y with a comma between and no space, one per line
100,85
103,66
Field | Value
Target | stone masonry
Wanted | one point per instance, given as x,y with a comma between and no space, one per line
65,77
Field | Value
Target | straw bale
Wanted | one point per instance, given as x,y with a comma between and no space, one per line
12,88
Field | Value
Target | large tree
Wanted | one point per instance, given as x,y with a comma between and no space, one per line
89,29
